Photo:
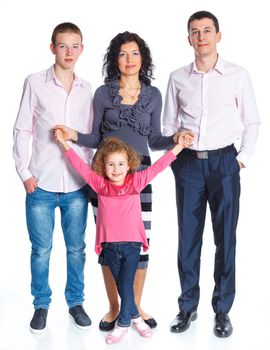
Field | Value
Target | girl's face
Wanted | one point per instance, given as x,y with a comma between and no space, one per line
116,167
129,59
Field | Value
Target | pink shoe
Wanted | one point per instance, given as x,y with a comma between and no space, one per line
143,329
117,334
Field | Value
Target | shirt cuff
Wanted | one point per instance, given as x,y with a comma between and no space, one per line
25,175
243,157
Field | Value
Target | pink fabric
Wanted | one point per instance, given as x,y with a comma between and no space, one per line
218,106
119,215
44,104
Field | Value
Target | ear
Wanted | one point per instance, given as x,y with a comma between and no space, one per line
218,37
189,41
52,48
82,47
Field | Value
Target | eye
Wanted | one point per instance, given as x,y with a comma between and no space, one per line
76,47
136,53
122,54
61,46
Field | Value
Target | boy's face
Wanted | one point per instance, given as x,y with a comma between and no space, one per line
67,49
203,37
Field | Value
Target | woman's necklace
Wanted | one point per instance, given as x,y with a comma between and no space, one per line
132,97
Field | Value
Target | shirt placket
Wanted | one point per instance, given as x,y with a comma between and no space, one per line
202,142
67,120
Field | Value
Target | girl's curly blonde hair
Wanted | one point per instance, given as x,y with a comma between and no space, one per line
114,145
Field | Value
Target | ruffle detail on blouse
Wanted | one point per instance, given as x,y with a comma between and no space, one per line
130,116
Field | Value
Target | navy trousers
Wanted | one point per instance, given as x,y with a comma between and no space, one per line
215,181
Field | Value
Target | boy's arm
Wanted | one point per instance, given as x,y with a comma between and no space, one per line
22,134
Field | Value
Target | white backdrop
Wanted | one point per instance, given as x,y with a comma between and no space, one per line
26,28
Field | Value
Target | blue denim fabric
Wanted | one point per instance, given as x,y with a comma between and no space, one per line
40,217
123,258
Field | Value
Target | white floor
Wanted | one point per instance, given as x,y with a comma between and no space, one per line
249,315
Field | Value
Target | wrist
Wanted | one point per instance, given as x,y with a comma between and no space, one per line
74,136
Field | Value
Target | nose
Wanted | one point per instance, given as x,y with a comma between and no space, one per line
69,51
200,35
128,57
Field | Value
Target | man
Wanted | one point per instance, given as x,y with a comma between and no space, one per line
214,99
54,96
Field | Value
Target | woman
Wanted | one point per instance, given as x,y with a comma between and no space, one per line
128,107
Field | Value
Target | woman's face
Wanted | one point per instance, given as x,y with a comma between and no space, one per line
129,59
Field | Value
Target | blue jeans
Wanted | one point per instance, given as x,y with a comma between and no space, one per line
123,258
40,217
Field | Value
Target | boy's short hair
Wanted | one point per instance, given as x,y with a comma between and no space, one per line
203,14
65,27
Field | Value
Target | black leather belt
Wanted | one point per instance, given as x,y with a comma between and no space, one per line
207,154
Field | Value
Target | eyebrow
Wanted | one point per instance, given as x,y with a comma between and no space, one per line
129,51
62,43
202,28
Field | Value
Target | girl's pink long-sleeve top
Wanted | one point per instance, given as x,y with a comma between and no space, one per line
119,217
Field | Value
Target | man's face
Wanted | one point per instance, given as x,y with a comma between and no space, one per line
203,37
67,49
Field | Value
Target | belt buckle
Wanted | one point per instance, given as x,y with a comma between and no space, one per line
202,154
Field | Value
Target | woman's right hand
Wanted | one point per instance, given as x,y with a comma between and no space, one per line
68,133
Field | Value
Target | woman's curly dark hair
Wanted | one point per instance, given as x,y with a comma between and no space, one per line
110,62
114,145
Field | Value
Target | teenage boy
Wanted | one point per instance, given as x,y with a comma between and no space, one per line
214,99
54,96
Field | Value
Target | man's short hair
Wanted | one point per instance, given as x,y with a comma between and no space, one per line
201,15
65,27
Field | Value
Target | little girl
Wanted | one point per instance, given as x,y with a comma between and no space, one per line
119,227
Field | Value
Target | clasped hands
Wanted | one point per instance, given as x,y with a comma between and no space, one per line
184,137
65,133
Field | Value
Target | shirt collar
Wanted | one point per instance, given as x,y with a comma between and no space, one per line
51,76
219,67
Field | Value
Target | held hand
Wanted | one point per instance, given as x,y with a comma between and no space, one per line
30,184
185,137
68,133
182,139
60,138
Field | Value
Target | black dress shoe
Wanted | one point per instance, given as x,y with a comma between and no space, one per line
223,327
151,322
106,326
182,321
